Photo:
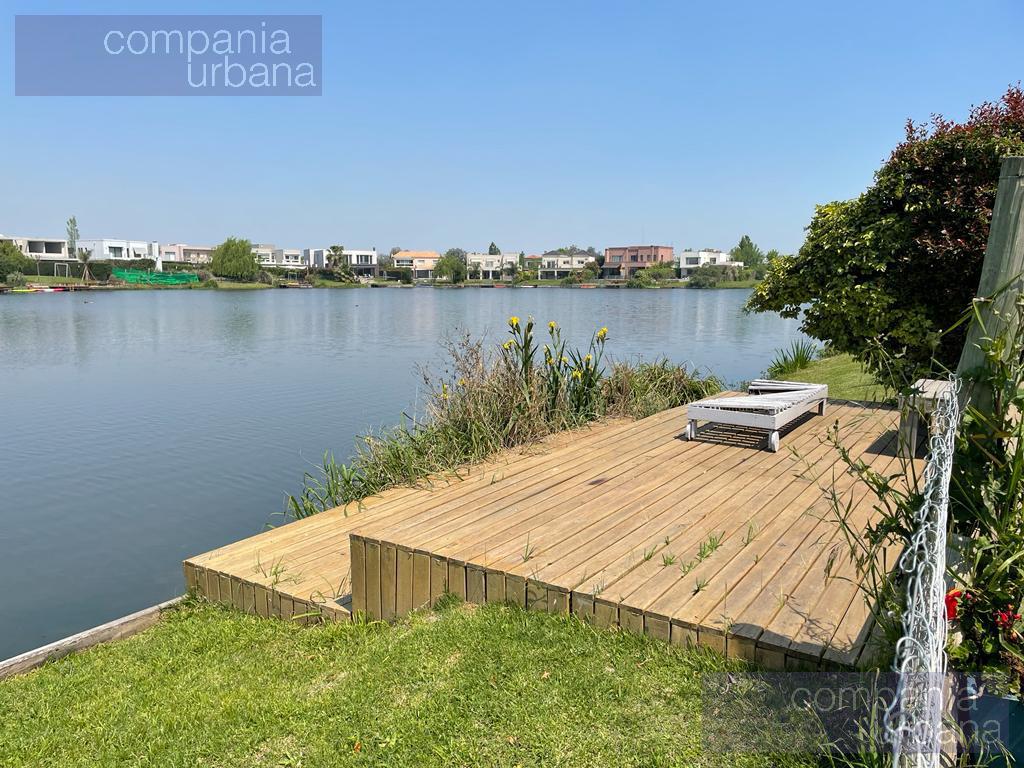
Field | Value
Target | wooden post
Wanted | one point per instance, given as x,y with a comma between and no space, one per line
1002,269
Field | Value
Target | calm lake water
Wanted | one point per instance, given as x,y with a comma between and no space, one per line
143,427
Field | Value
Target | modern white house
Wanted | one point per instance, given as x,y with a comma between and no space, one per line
363,262
186,254
39,248
555,266
689,261
115,249
492,266
269,255
316,258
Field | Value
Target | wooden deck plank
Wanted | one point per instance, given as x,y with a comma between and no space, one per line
477,485
420,580
646,583
508,528
404,601
388,581
777,576
857,626
771,517
569,514
679,513
599,508
803,613
644,523
470,512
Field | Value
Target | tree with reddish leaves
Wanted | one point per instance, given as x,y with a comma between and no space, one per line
887,275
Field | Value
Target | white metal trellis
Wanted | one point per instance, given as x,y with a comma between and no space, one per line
914,720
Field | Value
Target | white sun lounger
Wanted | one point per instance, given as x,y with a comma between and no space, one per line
768,405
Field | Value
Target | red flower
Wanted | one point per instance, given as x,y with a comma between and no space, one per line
1006,619
952,603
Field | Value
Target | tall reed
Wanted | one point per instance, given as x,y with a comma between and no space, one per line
490,400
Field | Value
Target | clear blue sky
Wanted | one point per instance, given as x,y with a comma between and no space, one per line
533,124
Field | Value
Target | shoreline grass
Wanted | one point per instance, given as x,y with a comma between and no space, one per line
464,685
492,400
227,285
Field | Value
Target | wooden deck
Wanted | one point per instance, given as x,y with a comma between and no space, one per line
715,541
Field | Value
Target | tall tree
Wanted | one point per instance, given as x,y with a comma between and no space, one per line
493,250
234,258
747,252
72,233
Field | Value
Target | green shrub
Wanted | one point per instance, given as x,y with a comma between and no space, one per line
661,272
16,280
709,275
885,276
102,270
402,274
641,279
12,260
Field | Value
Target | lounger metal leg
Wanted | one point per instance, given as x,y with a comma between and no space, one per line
691,429
773,442
821,407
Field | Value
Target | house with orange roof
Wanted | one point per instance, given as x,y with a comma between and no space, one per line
421,263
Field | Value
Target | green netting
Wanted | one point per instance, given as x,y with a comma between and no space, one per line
146,277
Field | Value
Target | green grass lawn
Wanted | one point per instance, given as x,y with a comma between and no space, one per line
845,377
463,686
